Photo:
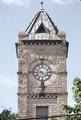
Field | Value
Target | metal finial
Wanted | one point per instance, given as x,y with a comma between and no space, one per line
42,4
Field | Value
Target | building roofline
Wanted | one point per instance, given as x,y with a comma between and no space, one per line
35,19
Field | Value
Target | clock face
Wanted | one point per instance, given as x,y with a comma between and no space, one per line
42,72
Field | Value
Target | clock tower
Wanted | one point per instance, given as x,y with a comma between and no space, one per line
42,74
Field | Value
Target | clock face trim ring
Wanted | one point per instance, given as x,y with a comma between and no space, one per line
42,72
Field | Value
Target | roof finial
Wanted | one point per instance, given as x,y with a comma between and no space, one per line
42,4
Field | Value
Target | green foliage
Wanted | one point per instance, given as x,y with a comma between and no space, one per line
53,118
77,97
77,90
7,115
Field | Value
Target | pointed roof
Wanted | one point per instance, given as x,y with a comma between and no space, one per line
41,14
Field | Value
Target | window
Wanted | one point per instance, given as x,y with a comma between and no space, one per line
42,29
42,111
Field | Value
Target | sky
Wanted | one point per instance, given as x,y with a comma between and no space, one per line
15,16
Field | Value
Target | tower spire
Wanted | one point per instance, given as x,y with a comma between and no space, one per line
42,3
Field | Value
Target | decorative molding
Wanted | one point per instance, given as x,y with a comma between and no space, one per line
44,95
45,42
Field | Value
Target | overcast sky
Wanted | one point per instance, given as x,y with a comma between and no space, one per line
15,16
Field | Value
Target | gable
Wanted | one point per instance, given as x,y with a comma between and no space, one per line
42,25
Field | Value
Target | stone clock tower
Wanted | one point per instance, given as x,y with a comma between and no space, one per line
42,74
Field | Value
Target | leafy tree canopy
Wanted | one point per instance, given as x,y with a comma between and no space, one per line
7,115
76,89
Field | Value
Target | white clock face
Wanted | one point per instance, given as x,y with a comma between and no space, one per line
42,72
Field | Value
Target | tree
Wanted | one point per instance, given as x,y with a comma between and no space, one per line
76,89
7,115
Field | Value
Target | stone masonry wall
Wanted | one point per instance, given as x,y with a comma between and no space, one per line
57,84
